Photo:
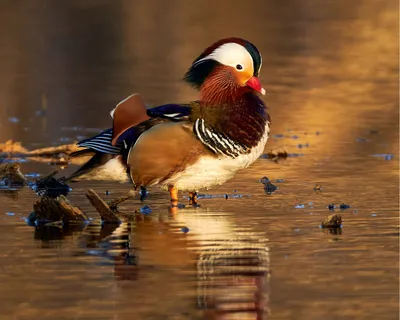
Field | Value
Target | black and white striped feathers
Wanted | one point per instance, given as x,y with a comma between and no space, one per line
101,143
217,142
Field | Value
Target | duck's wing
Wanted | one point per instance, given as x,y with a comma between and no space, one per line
162,152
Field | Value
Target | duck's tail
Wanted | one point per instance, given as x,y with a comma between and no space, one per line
101,150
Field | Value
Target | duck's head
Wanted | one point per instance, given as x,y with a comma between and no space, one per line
231,65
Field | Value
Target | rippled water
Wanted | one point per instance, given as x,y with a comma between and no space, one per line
331,74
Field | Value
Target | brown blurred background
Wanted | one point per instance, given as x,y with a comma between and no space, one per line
333,61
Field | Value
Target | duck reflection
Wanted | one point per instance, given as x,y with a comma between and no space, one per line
228,263
232,265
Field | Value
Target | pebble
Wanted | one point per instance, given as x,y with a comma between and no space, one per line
185,230
344,206
13,120
145,210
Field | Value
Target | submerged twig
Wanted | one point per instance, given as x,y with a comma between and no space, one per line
114,203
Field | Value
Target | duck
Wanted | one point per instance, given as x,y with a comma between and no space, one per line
187,146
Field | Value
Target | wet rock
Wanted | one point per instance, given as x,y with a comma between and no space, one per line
57,209
11,175
332,221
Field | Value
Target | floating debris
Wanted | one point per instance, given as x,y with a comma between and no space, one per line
10,213
373,131
299,206
332,221
344,206
294,155
386,156
279,180
185,229
279,135
318,187
224,196
295,137
51,187
32,175
331,207
373,215
269,188
361,140
304,145
107,193
145,210
275,155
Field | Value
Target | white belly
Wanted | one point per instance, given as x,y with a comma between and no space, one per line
210,171
112,170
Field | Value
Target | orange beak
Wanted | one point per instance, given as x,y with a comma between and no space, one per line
255,84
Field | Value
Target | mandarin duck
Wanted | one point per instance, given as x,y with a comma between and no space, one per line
188,146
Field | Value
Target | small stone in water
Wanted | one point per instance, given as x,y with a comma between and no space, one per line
318,187
13,119
185,229
145,210
332,221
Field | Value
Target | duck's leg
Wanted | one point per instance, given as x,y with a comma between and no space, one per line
173,192
193,198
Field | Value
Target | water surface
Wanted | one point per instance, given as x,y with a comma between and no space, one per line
331,74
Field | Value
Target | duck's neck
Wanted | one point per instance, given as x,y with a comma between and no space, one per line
220,88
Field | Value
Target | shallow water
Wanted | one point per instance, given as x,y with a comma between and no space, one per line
330,70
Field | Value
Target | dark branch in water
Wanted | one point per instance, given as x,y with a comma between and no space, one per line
106,214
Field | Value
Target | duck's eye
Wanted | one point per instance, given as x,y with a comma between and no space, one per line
239,67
